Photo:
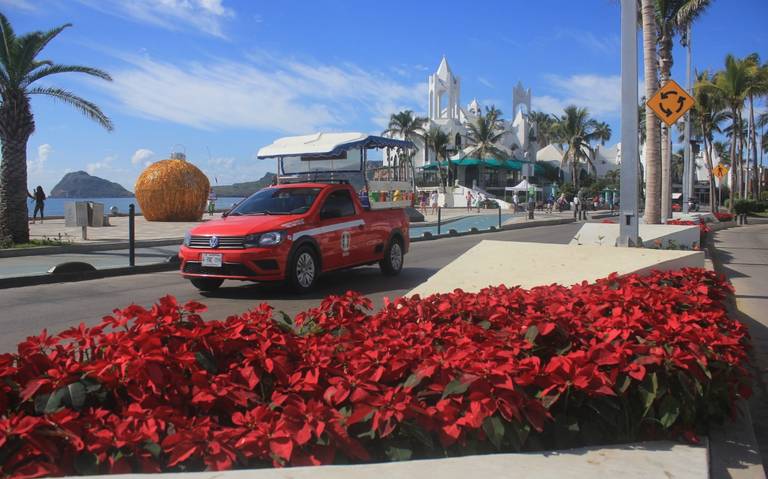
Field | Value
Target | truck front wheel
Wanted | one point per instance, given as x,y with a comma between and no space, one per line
392,262
303,270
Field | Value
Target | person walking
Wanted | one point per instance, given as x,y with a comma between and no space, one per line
423,202
576,211
469,201
515,201
211,202
39,198
433,202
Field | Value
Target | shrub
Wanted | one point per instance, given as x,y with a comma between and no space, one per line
504,369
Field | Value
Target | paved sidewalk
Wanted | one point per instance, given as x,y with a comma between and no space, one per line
742,255
117,232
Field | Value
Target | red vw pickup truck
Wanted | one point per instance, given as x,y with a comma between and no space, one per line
292,233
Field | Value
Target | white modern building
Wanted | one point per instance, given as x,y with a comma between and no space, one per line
445,111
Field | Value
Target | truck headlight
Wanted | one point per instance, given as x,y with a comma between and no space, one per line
273,238
187,238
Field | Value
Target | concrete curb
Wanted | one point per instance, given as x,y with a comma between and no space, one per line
508,227
86,248
21,281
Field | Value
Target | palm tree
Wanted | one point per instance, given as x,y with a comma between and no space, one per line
673,17
438,140
20,68
544,124
706,117
758,88
406,126
652,153
483,136
578,131
733,84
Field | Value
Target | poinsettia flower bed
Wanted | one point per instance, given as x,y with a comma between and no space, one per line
703,228
723,216
505,369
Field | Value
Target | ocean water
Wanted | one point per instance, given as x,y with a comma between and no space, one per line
55,206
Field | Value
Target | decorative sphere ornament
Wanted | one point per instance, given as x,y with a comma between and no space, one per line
172,190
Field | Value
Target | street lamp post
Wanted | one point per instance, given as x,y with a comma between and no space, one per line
687,157
628,223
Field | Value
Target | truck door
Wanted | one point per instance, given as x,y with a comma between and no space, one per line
341,231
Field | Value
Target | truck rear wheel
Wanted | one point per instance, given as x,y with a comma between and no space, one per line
206,284
392,262
303,270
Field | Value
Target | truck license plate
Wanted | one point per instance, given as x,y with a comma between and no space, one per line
211,260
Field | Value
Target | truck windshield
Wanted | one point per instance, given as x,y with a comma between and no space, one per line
277,201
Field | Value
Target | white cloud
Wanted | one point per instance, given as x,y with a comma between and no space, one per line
141,156
263,93
25,5
206,16
485,82
37,165
98,166
601,95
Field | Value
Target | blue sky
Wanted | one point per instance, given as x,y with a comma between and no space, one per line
220,78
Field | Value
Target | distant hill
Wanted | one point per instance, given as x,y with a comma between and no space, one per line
80,184
241,190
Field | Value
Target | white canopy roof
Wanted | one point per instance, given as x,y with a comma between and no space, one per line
319,144
316,143
522,186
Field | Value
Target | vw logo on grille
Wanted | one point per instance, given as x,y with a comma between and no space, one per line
213,242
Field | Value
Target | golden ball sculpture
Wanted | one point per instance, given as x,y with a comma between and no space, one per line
172,190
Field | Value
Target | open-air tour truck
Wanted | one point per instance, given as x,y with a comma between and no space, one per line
323,214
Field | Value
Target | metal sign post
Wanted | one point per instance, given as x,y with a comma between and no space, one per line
628,227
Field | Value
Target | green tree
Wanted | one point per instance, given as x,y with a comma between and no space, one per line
437,140
20,68
706,117
406,126
578,131
545,124
673,17
483,136
733,84
758,88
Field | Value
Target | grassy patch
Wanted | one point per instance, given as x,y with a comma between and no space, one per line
36,243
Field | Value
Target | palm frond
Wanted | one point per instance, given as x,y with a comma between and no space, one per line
85,107
9,42
56,69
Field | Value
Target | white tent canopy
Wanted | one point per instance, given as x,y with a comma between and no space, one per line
523,186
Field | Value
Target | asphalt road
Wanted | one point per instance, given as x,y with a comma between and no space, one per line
26,311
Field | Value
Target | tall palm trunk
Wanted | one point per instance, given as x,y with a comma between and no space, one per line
710,179
665,67
16,126
753,150
736,175
652,161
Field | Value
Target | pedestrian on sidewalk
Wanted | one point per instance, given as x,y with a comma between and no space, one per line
515,201
433,202
39,198
576,212
423,202
211,202
469,201
479,201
